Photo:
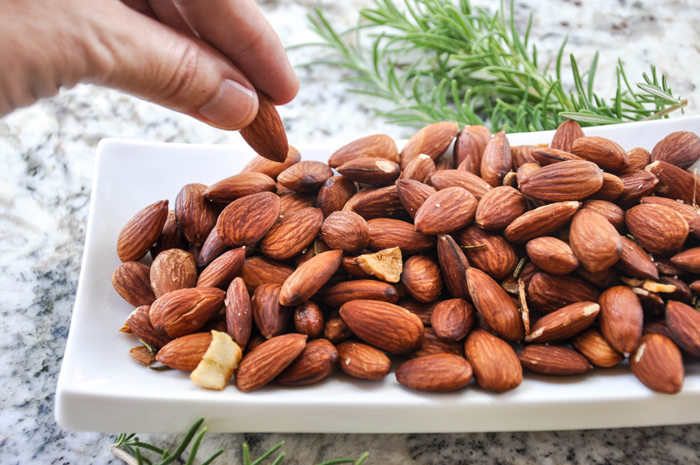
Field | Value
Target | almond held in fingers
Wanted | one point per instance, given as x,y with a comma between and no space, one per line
412,194
435,373
172,270
432,140
185,353
272,168
560,182
683,322
495,364
239,312
594,241
421,278
565,135
548,359
541,221
601,151
681,148
499,207
266,133
378,145
658,364
195,215
453,319
370,170
218,363
453,265
446,211
223,269
362,361
469,147
492,303
245,221
346,231
564,323
305,176
361,289
315,362
268,360
309,277
496,160
552,255
596,349
308,319
334,194
386,233
185,311
657,228
141,231
385,264
292,234
621,318
132,282
383,325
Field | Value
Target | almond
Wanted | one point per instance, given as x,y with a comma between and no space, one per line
363,361
432,344
385,265
499,207
265,134
421,278
237,186
566,134
453,319
212,248
635,262
432,140
487,251
444,163
495,364
469,147
305,176
239,312
223,269
552,255
142,355
423,311
570,180
564,323
335,329
636,185
639,159
292,234
601,279
380,203
688,260
525,170
689,213
496,160
541,221
271,318
139,322
370,170
435,373
683,292
334,194
294,202
383,325
346,231
675,183
412,194
652,303
268,360
272,168
621,318
185,311
549,292
172,270
185,353
492,303
658,364
309,277
614,214
601,151
446,211
453,265
170,237
246,220
419,169
308,319
594,241
522,155
131,280
683,323
596,349
195,215
657,228
361,289
260,270
142,231
681,148
456,178
547,156
314,363
612,188
546,359
386,233
378,145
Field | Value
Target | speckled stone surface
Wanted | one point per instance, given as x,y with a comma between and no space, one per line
47,158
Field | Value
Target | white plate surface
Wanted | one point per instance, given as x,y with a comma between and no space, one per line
101,389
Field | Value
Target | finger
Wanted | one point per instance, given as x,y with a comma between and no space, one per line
152,61
167,14
240,31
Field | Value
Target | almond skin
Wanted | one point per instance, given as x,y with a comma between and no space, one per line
446,211
456,178
522,155
435,373
268,360
305,176
172,270
683,322
453,319
499,207
549,292
170,237
370,170
385,265
412,194
260,270
239,312
423,311
657,228
362,361
309,277
432,140
334,194
183,312
223,269
639,159
308,319
212,248
560,182
433,344
380,203
419,169
195,215
496,160
601,151
614,214
495,364
132,282
246,220
142,231
688,260
387,233
335,329
541,221
383,325
139,322
552,255
596,349
636,186
635,262
185,353
294,202
621,318
421,278
378,145
272,168
453,265
674,182
564,323
292,234
658,364
689,214
314,363
594,241
612,188
346,231
547,359
548,156
496,258
565,135
237,186
469,147
271,318
361,289
497,308
681,148
265,134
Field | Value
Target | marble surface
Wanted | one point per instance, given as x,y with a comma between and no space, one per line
47,154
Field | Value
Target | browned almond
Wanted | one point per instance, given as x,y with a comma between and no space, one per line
412,194
570,180
383,325
334,194
172,270
444,163
132,281
185,353
457,178
335,329
271,318
681,148
596,349
294,202
453,264
185,311
566,134
492,303
380,203
594,241
550,292
139,322
432,140
387,233
487,251
601,151
546,156
453,319
612,188
495,364
265,134
362,361
683,292
636,185
541,221
370,170
601,279
522,155
272,168
547,359
314,363
435,373
564,323
309,277
496,160
419,169
346,231
423,311
378,146
525,170
469,147
635,262
352,267
658,364
142,355
667,268
142,231
657,327
552,255
446,211
683,322
639,159
292,234
385,265
361,289
305,176
195,215
652,303
614,214
308,319
421,278
245,221
260,270
499,207
695,286
675,183
223,269
688,260
657,228
212,248
621,318
433,344
239,312
170,237
268,360
237,186
689,214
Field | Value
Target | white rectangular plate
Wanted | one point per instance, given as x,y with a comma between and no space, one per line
101,389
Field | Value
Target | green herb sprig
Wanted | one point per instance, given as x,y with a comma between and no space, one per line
438,60
128,448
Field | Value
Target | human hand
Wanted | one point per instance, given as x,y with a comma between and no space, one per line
201,58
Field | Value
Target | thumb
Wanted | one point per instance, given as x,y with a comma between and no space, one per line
152,61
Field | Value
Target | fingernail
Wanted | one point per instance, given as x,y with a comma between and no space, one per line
230,107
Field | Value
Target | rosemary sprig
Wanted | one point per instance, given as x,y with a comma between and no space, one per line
439,60
128,448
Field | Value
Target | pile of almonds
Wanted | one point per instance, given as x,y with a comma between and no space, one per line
556,258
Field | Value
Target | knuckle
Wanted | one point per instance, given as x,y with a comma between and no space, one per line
185,78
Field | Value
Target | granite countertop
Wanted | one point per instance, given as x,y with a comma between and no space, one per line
48,151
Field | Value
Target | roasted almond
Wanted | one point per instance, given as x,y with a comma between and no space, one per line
446,211
271,318
547,359
385,265
596,349
419,169
272,168
245,221
421,278
499,207
314,363
237,186
487,251
601,151
495,364
658,364
552,255
570,180
142,355
453,265
496,160
614,214
132,281
370,170
432,140
223,269
185,353
268,360
565,135
346,231
683,322
142,231
305,176
260,270
335,329
453,319
387,233
239,312
184,311
612,188
522,155
361,289
383,325
309,277
594,241
492,303
635,262
674,182
212,248
265,134
550,292
378,146
172,270
688,260
547,156
636,185
195,215
292,234
294,202
412,194
657,228
334,194
621,318
435,373
139,323
444,163
639,159
564,323
433,344
681,148
457,178
170,237
469,147
362,361
308,319
541,221
689,213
